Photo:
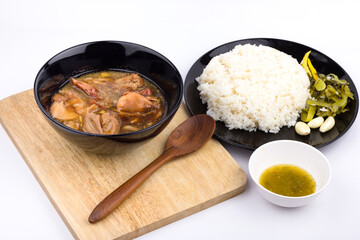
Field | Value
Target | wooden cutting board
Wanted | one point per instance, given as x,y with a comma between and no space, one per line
76,181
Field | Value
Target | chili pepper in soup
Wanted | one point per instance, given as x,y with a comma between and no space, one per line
108,102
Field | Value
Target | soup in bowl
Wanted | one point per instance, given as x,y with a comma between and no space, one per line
101,94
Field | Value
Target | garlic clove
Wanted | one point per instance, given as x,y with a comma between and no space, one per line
316,122
328,124
302,128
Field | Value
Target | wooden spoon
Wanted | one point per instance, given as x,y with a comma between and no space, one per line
188,137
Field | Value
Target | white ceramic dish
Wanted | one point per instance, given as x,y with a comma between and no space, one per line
295,153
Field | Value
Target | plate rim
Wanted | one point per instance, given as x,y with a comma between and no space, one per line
247,146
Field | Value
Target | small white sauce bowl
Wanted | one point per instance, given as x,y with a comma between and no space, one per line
295,153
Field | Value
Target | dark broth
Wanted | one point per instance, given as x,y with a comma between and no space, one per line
108,102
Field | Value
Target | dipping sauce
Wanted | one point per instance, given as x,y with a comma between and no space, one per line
288,180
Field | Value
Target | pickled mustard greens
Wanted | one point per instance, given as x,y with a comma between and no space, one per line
288,180
329,94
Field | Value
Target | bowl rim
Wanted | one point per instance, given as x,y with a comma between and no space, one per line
289,197
169,115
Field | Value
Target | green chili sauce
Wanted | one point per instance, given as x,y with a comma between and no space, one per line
288,180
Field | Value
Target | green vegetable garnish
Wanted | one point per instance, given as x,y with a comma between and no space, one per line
307,115
329,94
319,85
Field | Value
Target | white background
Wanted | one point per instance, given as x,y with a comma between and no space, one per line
33,31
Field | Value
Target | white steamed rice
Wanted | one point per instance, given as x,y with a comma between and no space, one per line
254,87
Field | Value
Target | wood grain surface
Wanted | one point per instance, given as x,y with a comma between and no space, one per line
76,181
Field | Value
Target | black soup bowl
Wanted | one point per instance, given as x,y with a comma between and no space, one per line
108,55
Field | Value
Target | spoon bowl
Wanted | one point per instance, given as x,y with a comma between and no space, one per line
192,134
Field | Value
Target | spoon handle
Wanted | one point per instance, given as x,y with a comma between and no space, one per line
119,195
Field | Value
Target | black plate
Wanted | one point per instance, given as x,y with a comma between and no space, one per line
252,140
